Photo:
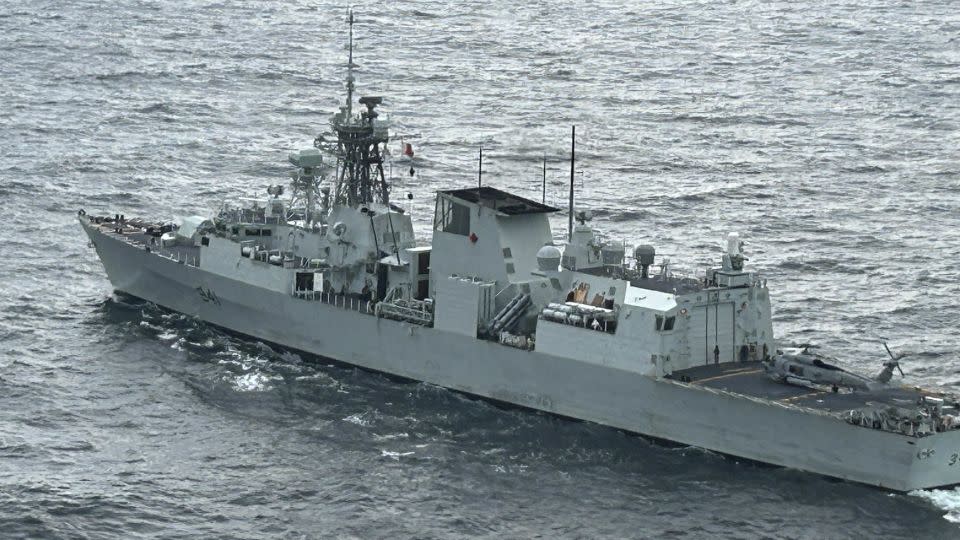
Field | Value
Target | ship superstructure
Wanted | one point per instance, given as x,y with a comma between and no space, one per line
493,307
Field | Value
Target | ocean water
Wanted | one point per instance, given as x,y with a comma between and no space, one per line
826,135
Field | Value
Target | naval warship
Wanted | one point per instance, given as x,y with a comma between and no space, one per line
492,307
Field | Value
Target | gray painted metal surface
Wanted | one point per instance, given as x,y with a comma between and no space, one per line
614,394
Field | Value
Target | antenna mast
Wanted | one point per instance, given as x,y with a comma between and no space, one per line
543,196
350,70
360,147
573,150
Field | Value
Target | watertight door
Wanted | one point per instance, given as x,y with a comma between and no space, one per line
381,281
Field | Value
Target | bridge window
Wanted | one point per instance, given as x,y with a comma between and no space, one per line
451,217
665,323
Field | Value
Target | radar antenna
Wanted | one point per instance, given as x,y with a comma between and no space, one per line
360,147
306,184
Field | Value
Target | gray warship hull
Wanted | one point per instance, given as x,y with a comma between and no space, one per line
702,411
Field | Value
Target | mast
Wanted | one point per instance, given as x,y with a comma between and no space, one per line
350,70
573,150
360,147
543,196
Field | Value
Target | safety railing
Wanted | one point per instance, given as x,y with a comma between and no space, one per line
352,303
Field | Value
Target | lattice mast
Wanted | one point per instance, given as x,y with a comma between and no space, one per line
361,142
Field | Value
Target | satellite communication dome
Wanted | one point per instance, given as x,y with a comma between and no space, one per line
548,258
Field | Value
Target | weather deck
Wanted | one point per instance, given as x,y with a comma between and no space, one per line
136,236
750,379
666,284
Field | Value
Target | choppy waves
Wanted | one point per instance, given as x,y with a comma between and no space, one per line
824,134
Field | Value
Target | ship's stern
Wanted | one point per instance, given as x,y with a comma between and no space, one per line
935,462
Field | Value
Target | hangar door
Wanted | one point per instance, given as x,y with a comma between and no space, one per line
712,325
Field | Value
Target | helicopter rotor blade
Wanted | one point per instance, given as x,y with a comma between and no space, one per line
889,351
900,370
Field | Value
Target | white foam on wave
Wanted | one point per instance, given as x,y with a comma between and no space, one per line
360,419
508,468
357,419
947,500
394,455
152,327
291,358
207,344
252,382
227,362
391,436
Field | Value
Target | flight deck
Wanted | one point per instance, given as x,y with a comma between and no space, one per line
750,379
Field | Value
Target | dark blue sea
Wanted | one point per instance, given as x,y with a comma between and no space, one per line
825,133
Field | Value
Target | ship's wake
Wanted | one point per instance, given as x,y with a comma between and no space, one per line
947,500
244,365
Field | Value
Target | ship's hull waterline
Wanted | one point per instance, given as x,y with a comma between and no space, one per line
724,422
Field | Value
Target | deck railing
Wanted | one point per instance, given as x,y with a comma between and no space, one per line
344,301
175,255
